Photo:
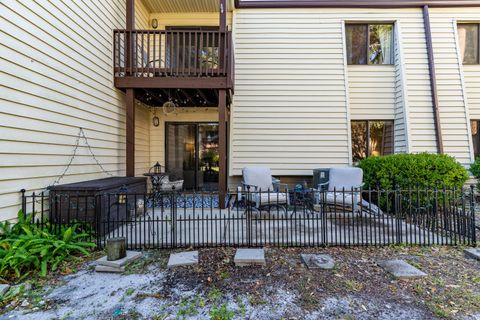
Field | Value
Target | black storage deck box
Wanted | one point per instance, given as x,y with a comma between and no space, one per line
115,197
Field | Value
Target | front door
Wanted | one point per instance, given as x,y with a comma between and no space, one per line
192,154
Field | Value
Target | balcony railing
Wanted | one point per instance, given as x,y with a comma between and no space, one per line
172,53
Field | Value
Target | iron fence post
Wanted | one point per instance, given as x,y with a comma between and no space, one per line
24,202
174,219
472,212
397,213
98,222
248,209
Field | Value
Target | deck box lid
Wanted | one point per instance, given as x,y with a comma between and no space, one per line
99,184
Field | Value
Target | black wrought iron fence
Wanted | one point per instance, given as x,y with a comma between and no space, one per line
266,218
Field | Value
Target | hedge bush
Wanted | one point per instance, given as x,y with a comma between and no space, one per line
409,170
475,170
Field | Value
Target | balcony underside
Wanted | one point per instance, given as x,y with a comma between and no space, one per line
173,82
186,97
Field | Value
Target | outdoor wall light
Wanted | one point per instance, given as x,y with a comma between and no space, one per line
156,121
154,23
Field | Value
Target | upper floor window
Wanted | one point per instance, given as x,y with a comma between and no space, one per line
469,38
369,43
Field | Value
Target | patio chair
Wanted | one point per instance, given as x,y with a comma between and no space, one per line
343,188
262,189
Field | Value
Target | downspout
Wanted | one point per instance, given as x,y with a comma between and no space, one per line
433,79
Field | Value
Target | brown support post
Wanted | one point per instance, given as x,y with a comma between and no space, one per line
433,79
223,15
130,133
222,148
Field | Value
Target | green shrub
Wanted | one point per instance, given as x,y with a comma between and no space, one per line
26,247
409,170
475,170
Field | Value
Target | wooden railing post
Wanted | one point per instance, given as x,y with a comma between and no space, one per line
129,43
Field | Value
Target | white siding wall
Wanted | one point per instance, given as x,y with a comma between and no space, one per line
445,21
289,107
372,92
56,76
452,107
401,137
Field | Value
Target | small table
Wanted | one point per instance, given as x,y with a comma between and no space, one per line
156,179
303,198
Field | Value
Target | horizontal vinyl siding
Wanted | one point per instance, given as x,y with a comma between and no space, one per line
417,80
453,112
372,92
56,76
289,106
401,104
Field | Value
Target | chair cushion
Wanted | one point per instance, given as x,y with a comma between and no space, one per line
269,198
258,176
347,178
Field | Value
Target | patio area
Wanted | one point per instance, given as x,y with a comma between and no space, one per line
208,227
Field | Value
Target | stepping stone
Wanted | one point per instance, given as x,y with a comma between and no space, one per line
101,268
472,253
249,257
318,261
183,259
131,256
401,269
4,288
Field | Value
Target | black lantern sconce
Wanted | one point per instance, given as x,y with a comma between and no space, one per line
154,23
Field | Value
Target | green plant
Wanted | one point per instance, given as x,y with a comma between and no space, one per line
409,170
221,313
475,171
26,247
214,295
417,178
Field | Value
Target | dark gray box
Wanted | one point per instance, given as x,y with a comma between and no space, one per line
115,197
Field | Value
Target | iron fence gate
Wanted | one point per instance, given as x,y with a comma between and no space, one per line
418,216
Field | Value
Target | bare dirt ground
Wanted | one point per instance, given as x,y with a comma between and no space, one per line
284,289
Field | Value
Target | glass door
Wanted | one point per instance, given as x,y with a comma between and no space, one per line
180,157
192,154
208,164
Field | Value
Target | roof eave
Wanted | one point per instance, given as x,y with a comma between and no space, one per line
259,4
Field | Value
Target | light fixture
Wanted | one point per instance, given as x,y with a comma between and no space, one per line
155,120
154,23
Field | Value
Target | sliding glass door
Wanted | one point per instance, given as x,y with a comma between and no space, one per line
192,154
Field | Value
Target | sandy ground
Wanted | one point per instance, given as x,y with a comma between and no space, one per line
284,289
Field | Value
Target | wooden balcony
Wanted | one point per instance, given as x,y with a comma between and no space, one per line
173,59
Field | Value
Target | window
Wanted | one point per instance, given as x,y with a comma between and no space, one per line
369,43
371,138
469,38
475,124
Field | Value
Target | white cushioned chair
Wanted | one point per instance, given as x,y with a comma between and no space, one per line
343,187
262,189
